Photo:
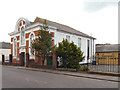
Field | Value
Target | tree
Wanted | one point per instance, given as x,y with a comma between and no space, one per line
70,55
42,45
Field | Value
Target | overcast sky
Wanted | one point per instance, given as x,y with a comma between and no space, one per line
98,18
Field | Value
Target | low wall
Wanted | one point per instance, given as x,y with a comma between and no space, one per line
66,69
39,66
29,63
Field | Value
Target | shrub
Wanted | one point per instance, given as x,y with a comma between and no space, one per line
70,55
81,68
85,68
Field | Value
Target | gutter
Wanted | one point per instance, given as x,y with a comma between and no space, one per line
76,34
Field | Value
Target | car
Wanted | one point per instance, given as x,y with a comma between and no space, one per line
6,60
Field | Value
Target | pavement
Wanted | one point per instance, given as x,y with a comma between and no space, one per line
75,74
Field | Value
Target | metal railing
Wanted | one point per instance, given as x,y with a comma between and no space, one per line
104,64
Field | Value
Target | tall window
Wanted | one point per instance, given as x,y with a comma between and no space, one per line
88,49
31,40
22,36
79,42
68,38
15,47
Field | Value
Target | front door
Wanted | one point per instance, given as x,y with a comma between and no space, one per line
49,61
22,58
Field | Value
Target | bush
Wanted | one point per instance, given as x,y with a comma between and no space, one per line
85,68
70,55
81,68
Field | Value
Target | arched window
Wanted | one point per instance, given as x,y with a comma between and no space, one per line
15,47
21,27
22,36
31,40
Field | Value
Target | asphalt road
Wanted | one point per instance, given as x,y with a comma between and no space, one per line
19,78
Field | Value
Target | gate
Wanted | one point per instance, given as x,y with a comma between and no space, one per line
6,58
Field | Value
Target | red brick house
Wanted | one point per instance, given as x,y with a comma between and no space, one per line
25,31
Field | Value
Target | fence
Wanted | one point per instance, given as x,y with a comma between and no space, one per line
30,61
105,64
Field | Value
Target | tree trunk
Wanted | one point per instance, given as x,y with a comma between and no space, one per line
39,60
43,59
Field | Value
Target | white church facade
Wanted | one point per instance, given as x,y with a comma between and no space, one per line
25,31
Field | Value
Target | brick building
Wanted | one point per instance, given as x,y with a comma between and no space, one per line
25,31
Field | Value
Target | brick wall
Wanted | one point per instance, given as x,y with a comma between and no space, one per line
17,49
27,44
27,35
36,32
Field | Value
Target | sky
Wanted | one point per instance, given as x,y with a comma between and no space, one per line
97,18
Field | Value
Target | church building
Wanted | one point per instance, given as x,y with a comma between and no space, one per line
25,31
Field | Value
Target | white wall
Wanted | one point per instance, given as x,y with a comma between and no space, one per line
59,35
5,52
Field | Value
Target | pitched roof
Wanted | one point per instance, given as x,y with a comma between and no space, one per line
108,48
4,45
61,27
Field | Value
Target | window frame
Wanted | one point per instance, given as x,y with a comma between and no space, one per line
68,38
31,55
32,37
79,42
15,47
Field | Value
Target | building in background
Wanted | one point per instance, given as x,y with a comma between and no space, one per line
107,53
25,31
5,49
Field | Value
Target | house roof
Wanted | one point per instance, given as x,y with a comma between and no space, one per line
61,27
108,48
4,45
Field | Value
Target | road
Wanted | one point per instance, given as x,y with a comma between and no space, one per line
20,78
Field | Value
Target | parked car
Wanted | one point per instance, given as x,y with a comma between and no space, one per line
6,60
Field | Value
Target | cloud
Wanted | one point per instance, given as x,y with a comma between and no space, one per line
96,5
